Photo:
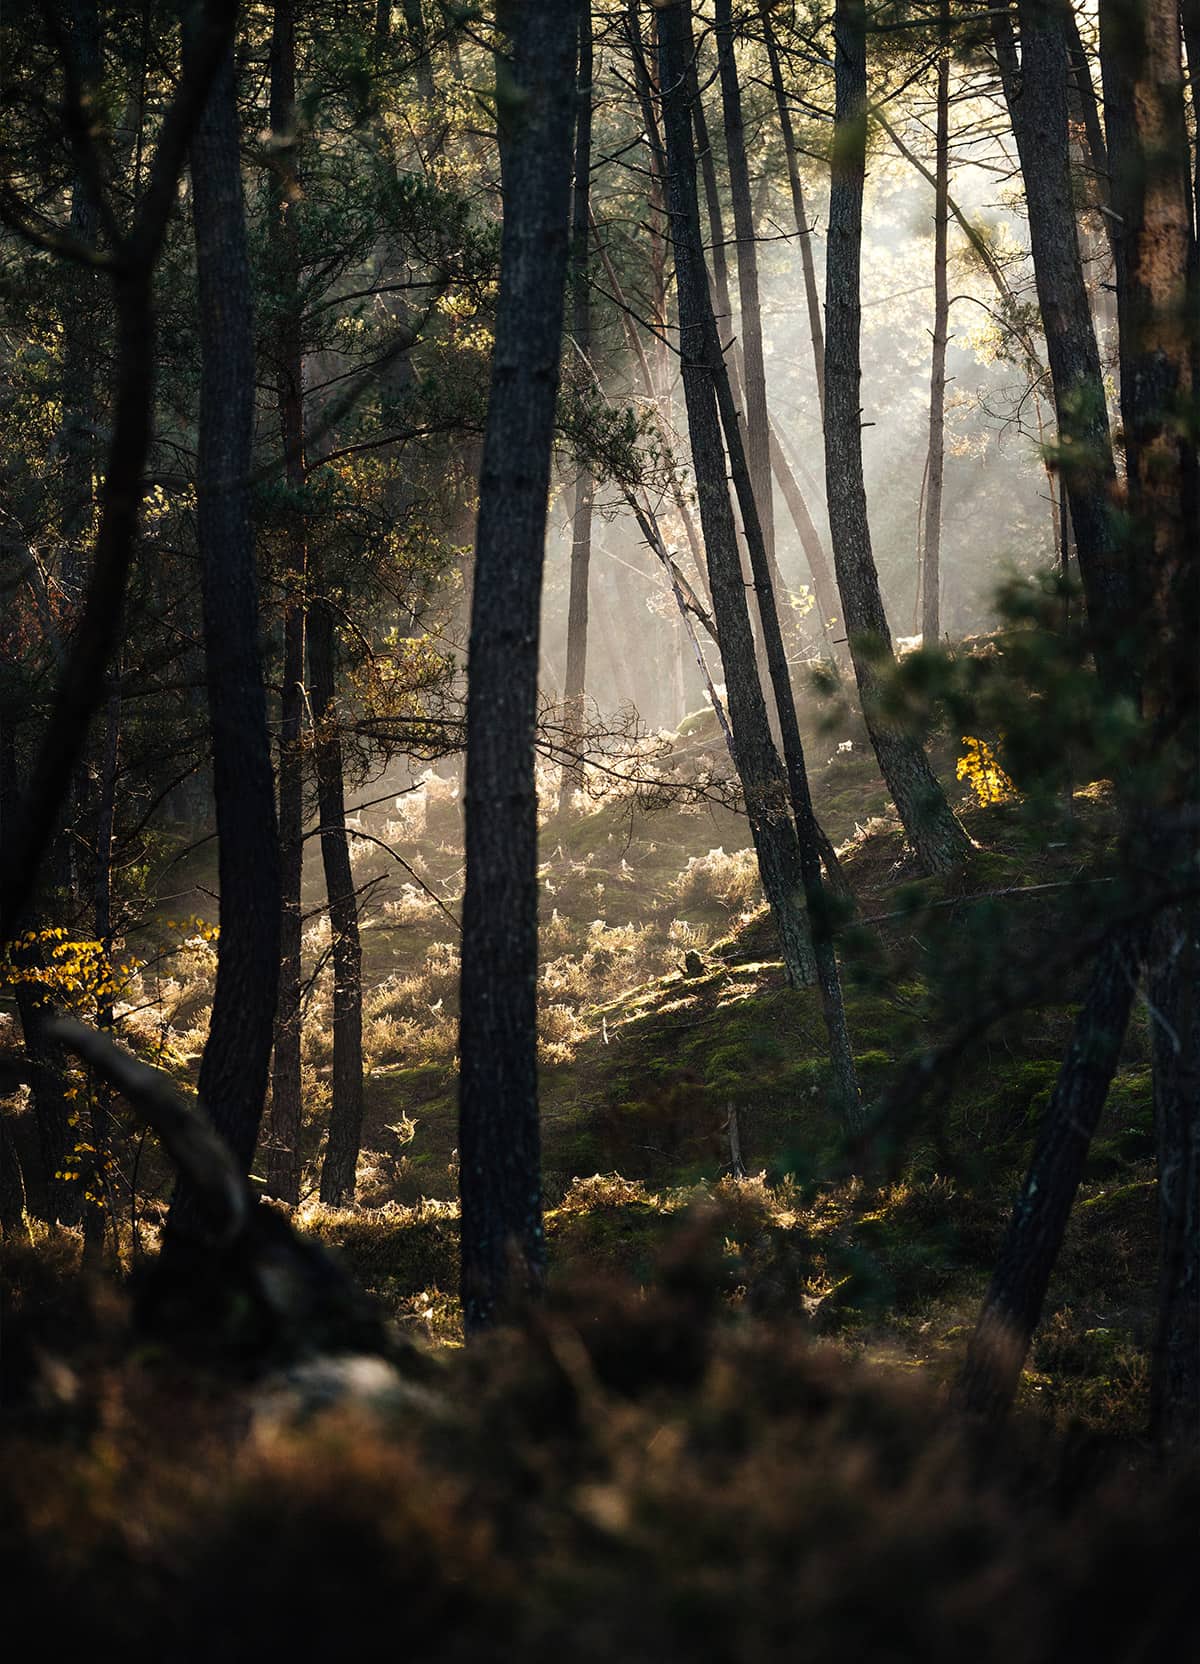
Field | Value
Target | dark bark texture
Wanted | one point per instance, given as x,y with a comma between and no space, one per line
234,1068
1036,90
283,1150
340,1166
1156,303
499,1136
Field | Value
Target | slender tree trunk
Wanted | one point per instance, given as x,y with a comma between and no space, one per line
936,835
575,678
931,621
99,1209
758,432
721,303
340,1166
814,846
704,381
283,1151
1012,1306
80,328
799,212
499,1137
1036,90
237,1055
1156,301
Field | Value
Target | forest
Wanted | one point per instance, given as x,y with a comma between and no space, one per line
600,828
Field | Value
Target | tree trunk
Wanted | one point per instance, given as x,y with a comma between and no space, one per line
1013,1303
1156,303
704,380
339,1169
931,620
799,212
814,846
283,1150
236,1061
1036,93
499,1138
575,678
758,433
936,835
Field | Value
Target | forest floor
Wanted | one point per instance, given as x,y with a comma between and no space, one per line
666,1019
725,1435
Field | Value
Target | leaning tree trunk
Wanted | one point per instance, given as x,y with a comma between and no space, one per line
340,1166
936,835
931,548
1017,1291
762,777
237,1054
823,586
814,846
1156,302
575,677
283,1150
1036,91
499,1138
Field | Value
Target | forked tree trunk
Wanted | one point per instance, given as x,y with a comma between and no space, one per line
704,378
934,832
503,1246
931,550
234,1068
575,677
283,1151
345,1117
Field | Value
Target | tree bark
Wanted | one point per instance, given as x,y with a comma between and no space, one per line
799,212
283,1149
721,303
503,1246
934,832
339,1169
757,423
1156,305
236,1061
1036,93
575,678
705,381
931,616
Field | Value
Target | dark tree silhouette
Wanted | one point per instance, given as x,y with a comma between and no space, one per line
499,1138
237,1054
283,1152
705,380
346,1111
